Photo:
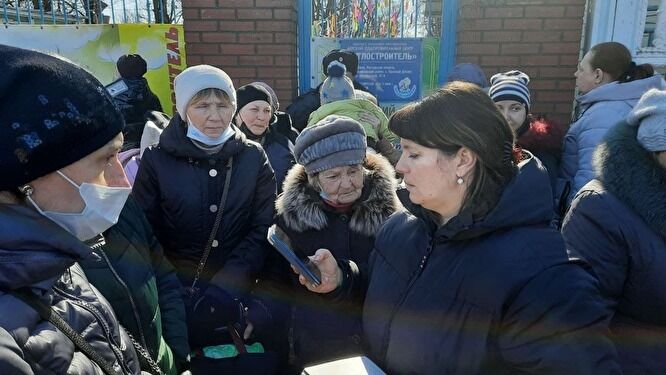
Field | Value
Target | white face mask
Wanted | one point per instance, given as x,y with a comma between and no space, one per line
103,207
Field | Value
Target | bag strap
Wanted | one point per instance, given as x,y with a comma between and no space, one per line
237,339
216,225
145,359
47,313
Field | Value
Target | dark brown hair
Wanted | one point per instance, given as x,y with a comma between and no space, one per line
615,59
461,114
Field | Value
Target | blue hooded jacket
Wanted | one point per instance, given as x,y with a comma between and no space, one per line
600,109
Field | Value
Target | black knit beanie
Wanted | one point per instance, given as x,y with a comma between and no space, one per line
249,93
52,114
131,66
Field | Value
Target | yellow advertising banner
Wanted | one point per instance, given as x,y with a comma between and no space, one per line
97,47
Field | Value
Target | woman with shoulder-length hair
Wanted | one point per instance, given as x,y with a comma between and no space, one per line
610,84
618,223
474,280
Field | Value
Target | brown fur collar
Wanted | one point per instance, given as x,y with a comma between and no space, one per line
301,208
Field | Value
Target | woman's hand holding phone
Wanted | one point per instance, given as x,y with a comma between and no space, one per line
331,274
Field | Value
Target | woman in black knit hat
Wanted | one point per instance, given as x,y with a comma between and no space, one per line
61,184
255,116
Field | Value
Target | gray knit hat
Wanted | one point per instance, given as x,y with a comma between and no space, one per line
650,116
334,141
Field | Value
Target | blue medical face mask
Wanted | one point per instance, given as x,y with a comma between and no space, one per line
199,136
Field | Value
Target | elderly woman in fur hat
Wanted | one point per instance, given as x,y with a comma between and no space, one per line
617,222
336,197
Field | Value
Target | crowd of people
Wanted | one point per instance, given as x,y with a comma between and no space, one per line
465,234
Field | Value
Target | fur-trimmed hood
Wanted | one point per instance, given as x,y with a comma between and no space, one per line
302,209
633,175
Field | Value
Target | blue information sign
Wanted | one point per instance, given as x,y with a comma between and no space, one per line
389,68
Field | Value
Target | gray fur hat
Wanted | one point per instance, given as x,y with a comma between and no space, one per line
334,141
649,115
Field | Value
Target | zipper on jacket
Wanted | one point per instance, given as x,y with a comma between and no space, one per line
115,347
97,247
417,273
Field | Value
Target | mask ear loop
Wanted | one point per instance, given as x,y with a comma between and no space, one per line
69,179
26,190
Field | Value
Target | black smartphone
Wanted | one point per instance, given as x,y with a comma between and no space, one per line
280,242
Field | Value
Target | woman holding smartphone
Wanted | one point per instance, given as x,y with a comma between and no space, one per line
336,197
473,280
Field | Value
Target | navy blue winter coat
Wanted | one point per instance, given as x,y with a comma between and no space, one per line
493,296
37,254
179,186
617,223
280,152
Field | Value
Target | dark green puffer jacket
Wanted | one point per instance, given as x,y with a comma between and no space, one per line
142,287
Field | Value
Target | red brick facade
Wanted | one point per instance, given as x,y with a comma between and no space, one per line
540,37
257,40
250,39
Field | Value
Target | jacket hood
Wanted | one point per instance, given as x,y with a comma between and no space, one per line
33,249
543,136
526,200
628,91
632,175
302,209
174,141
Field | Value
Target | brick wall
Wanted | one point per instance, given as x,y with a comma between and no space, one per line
251,40
540,37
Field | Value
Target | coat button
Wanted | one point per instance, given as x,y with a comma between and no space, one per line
213,208
215,243
212,172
